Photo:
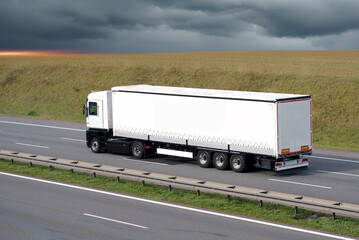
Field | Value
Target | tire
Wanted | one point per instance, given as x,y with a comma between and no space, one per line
204,159
95,145
220,161
137,149
237,163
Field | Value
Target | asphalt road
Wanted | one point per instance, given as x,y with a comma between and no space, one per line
39,209
333,175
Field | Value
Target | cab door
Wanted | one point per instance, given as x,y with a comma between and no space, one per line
95,114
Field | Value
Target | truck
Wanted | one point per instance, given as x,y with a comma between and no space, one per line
220,128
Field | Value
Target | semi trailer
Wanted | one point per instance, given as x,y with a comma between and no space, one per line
220,128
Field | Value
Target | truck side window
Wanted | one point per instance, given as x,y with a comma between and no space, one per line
93,108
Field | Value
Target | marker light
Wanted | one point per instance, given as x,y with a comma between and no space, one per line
303,148
286,150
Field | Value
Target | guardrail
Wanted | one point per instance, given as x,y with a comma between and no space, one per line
262,195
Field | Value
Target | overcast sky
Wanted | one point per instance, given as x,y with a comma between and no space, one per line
135,26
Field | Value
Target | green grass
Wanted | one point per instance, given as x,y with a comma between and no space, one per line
56,86
216,202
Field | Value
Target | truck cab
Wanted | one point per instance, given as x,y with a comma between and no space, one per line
98,113
98,110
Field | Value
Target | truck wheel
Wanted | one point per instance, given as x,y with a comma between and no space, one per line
137,149
204,159
220,161
237,162
95,145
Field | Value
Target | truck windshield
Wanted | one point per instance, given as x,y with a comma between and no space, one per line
93,108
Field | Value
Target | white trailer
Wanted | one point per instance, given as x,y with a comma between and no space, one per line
217,127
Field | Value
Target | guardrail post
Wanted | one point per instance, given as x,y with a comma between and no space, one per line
30,164
143,182
229,198
12,161
94,175
296,210
170,187
260,203
333,216
72,171
118,179
198,192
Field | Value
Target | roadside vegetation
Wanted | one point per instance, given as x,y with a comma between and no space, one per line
56,86
216,202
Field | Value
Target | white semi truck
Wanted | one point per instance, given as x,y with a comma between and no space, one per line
227,129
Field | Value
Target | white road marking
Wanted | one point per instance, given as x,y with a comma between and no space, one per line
43,126
336,159
72,139
134,160
182,207
31,145
339,173
116,221
297,183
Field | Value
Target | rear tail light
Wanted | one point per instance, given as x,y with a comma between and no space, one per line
147,147
305,160
278,164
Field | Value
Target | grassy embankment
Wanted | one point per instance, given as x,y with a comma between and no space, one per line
56,86
244,207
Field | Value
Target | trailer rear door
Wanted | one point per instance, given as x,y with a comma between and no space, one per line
294,126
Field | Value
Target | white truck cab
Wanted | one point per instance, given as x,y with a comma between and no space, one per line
98,110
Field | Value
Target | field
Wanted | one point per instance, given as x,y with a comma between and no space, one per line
56,86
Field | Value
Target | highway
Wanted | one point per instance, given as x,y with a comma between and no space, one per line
333,175
40,209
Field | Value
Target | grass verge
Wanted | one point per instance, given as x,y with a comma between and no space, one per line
216,202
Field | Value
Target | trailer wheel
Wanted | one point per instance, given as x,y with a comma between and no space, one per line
137,149
220,161
95,145
204,159
237,162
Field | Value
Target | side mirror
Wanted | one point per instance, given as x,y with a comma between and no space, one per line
84,110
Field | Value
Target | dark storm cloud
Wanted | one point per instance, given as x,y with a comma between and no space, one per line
138,25
301,19
279,18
